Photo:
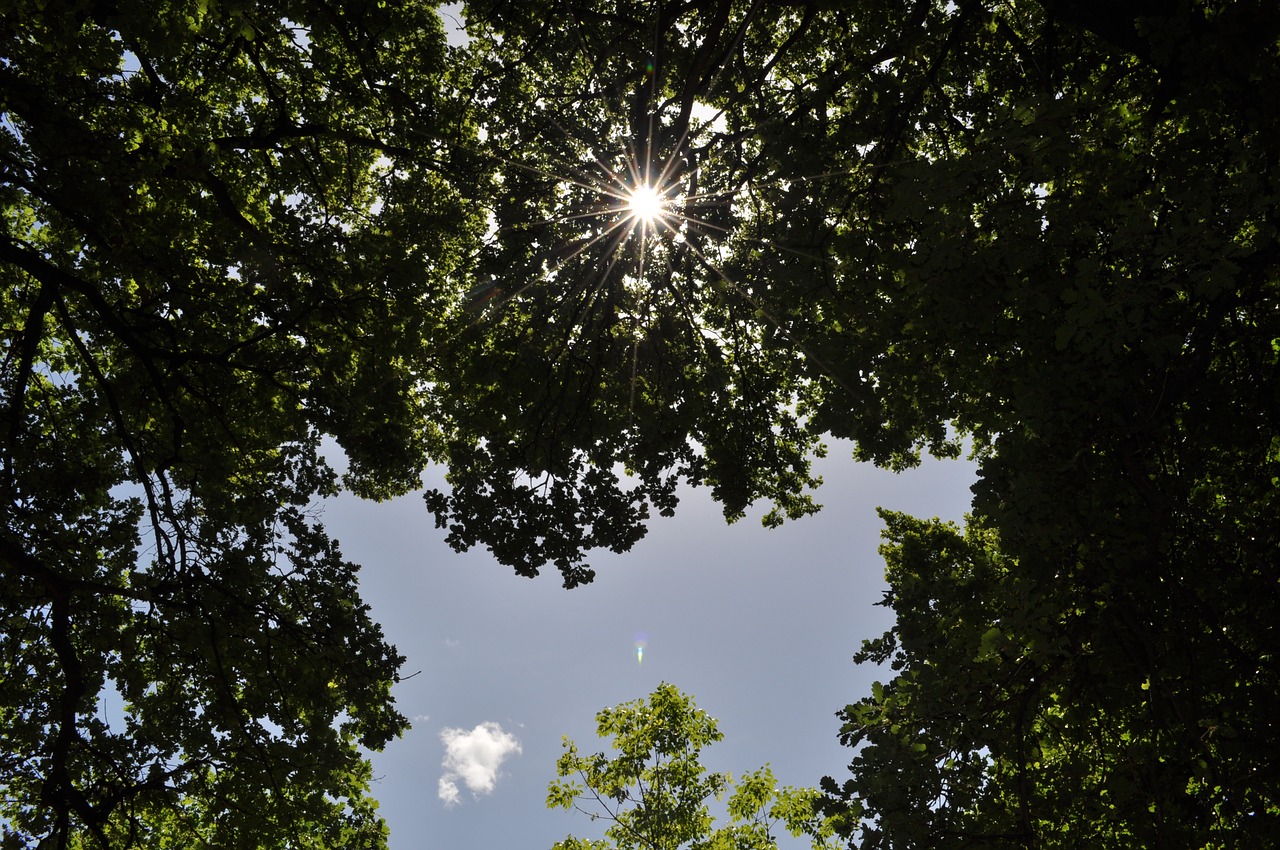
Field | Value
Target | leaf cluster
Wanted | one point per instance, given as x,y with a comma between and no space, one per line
654,791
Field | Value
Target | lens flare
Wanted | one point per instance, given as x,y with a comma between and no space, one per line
642,641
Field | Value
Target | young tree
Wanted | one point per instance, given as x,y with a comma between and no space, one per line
655,791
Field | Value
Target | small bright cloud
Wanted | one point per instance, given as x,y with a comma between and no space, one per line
473,759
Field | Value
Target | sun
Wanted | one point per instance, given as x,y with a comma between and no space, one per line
646,204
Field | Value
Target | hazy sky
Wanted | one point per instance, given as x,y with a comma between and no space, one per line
758,625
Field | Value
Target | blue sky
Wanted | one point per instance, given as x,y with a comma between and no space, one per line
758,625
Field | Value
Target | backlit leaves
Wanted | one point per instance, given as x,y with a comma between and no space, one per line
655,792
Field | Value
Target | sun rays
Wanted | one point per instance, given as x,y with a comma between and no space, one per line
617,217
646,204
646,231
613,214
645,228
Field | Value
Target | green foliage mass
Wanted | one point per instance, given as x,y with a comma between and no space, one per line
1048,230
220,224
654,792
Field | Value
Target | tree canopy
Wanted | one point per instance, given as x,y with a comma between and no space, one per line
654,793
210,261
895,223
1046,231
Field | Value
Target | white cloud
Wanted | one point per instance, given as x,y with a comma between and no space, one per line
473,758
